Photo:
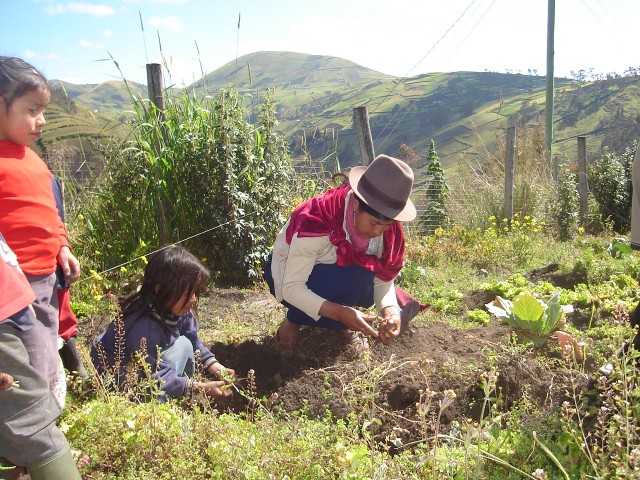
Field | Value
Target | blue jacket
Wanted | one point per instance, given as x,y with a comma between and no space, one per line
140,325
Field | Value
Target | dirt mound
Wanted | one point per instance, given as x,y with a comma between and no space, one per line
401,386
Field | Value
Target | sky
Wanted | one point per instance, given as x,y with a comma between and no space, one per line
94,41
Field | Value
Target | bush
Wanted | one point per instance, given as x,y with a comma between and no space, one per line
197,171
610,182
565,205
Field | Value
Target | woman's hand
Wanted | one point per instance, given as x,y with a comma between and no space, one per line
391,326
351,318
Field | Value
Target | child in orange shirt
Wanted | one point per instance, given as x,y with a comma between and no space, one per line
29,218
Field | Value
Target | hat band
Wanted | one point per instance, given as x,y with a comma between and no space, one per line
369,188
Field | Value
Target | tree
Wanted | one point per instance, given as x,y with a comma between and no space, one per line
435,214
407,154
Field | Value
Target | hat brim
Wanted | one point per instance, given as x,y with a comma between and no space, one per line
407,214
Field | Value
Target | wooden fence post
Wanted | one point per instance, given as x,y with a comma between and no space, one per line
155,90
583,186
509,168
363,130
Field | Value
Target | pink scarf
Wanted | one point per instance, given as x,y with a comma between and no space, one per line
323,215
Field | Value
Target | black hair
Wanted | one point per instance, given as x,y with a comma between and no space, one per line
17,78
170,273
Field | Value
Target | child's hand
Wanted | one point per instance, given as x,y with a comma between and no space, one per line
220,371
214,389
69,263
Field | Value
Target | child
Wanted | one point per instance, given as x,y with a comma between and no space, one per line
161,314
29,436
28,216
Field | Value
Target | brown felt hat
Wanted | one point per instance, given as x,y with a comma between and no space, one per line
385,185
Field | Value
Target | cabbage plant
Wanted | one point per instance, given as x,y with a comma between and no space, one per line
532,317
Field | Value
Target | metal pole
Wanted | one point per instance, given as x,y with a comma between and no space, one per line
551,20
509,170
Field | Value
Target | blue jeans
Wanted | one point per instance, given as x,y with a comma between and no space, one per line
351,286
180,356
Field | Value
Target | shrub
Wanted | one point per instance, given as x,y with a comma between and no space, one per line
565,206
610,182
197,171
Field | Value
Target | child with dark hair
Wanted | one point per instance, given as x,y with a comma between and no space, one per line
161,313
29,436
29,219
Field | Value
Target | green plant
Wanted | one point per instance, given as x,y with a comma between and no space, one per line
435,214
619,247
198,171
565,206
610,182
479,316
532,318
410,273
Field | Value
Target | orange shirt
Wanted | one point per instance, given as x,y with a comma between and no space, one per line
29,218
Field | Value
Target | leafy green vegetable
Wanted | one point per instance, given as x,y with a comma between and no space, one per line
530,316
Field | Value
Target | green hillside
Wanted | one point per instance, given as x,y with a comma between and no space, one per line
464,112
70,139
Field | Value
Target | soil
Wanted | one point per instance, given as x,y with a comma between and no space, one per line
402,385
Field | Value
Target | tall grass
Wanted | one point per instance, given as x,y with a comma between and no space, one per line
477,192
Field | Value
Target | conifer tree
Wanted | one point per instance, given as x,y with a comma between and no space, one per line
435,214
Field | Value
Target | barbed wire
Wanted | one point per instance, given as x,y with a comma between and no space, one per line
172,244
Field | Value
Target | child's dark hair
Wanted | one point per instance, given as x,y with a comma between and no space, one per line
17,78
170,273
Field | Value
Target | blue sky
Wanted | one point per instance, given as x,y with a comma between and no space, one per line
74,40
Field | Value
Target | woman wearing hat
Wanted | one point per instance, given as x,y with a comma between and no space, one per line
342,250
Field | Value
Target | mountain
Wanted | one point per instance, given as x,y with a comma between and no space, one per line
111,97
464,112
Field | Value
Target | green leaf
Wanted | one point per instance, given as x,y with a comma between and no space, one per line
526,307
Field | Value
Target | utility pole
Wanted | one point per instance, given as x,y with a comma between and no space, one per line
551,20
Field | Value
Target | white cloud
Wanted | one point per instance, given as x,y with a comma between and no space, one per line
107,34
80,8
169,1
88,44
36,55
172,23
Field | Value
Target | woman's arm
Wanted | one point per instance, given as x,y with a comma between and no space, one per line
384,294
302,257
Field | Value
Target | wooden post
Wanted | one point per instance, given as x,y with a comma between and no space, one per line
155,90
363,130
509,169
155,87
583,186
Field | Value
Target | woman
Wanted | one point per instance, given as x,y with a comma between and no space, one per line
341,251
